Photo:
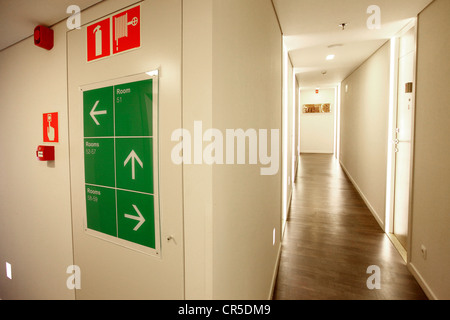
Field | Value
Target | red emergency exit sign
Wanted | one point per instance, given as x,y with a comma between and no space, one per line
113,35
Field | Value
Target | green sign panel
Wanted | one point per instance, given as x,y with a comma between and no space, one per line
119,159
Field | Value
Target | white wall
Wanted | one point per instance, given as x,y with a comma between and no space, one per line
296,125
197,106
287,136
364,121
364,129
232,65
35,216
231,80
317,129
103,264
246,93
431,174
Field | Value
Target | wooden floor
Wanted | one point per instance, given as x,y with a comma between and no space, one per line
331,239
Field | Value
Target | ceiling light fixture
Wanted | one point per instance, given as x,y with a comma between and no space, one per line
331,57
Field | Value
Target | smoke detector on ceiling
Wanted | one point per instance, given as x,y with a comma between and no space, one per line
343,25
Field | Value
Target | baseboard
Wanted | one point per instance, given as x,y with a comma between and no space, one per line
317,151
366,201
288,211
423,284
425,287
398,246
275,273
277,263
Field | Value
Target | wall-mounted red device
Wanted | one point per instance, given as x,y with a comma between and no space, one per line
43,37
45,153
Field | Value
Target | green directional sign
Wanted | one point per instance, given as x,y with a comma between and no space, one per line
134,164
99,161
119,154
134,109
101,205
135,217
98,112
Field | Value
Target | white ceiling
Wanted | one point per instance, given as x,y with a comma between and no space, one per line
310,26
18,18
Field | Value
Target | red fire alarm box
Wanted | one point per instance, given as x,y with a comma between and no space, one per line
43,37
45,153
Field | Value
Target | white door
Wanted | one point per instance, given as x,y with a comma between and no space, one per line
127,239
403,135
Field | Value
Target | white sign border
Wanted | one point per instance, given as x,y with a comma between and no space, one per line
111,33
154,75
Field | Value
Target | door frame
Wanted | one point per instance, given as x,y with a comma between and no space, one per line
391,163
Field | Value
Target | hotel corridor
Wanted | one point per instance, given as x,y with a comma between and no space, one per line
331,239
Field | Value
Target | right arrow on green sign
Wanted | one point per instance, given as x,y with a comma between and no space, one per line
140,218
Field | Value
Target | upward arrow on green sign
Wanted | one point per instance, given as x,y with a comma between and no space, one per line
133,157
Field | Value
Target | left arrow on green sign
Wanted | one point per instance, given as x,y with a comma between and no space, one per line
94,113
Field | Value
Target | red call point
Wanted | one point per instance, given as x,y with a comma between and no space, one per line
50,126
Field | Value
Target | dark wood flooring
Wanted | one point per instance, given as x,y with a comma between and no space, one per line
331,239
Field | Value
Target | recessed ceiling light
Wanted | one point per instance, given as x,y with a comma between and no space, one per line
331,57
